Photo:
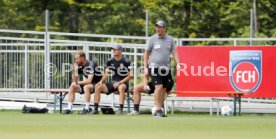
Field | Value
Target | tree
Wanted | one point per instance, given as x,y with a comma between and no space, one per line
186,18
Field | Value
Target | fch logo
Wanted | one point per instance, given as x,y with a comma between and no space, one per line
245,70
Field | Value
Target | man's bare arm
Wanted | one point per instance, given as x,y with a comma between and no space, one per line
146,79
86,81
146,58
105,75
75,74
126,79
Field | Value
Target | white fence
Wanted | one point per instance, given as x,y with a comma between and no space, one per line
25,60
26,56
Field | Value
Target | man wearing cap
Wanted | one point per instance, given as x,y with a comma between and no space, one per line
119,66
157,63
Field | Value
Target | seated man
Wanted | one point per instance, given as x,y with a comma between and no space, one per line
89,69
147,88
120,68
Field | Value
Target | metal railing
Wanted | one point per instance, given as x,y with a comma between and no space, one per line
25,55
24,60
23,65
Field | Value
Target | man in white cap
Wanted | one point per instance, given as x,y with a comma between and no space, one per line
157,63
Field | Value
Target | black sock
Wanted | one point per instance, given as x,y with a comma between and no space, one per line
136,107
96,105
121,106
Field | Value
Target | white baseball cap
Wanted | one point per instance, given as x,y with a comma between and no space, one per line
161,23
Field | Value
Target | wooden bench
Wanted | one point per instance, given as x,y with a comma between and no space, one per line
59,94
235,95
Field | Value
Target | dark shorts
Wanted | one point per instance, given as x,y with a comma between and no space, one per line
82,90
168,87
111,89
161,76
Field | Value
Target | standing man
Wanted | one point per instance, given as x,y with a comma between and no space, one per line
90,70
157,63
119,66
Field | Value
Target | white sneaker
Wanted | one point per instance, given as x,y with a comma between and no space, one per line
134,112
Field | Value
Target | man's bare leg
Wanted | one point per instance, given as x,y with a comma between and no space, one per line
122,90
87,94
137,96
97,96
137,93
71,95
164,98
158,96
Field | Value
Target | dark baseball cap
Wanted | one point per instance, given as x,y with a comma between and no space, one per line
161,23
117,47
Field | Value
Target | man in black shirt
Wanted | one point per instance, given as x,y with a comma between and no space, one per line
89,69
119,67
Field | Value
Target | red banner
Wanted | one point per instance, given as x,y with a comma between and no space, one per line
223,68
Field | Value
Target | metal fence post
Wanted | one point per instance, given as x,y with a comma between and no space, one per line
235,42
113,96
135,67
47,50
26,68
86,50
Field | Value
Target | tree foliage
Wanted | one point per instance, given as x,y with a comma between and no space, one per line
186,18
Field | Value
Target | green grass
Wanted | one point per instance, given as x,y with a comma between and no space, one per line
15,125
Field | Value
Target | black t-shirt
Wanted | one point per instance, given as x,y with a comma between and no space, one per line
91,68
120,69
